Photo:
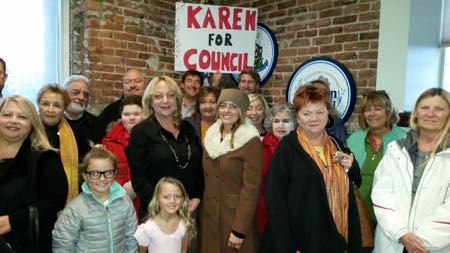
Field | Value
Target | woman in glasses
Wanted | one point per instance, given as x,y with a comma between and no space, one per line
377,120
102,217
309,195
164,145
411,190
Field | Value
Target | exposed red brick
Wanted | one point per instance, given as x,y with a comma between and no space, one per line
346,38
331,30
330,13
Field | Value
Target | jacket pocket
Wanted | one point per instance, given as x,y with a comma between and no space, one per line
232,200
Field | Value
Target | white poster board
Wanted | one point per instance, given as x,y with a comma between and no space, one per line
212,38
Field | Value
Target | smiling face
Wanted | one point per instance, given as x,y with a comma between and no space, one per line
131,115
256,112
15,125
312,118
432,114
282,124
99,187
247,84
164,101
79,96
208,106
228,114
133,83
191,86
51,108
170,199
375,117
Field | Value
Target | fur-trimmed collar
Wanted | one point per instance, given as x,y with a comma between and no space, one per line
216,148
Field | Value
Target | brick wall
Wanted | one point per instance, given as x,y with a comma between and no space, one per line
111,36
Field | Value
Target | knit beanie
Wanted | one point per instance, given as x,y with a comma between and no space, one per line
236,96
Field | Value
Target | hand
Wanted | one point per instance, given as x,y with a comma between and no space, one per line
193,204
235,242
129,189
216,79
413,244
5,227
298,251
346,160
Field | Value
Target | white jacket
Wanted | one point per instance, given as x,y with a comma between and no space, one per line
428,217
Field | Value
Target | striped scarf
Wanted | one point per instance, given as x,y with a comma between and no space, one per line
335,178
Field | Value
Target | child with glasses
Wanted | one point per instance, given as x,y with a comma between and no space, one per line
102,218
169,227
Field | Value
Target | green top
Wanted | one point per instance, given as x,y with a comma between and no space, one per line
367,173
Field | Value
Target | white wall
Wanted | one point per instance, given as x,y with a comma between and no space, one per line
409,57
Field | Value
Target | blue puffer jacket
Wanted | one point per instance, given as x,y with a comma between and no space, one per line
87,225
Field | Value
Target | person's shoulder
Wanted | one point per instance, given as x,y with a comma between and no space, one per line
358,134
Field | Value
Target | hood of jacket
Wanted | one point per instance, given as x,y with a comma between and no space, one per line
243,134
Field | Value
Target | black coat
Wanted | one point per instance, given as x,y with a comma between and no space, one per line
87,125
298,215
109,116
49,195
151,158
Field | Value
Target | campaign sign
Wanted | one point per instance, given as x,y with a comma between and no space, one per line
212,38
340,80
266,53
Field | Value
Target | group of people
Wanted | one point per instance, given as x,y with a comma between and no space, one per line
186,168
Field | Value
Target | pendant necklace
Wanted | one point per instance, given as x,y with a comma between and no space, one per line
175,153
375,146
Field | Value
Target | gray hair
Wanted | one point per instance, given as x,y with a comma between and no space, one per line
277,108
74,78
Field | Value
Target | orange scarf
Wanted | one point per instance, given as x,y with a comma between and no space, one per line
335,178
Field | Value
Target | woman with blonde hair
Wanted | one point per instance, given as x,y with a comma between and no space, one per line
232,167
256,112
164,145
410,194
32,178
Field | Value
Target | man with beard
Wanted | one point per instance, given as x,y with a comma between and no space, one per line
249,81
3,75
133,82
191,81
80,120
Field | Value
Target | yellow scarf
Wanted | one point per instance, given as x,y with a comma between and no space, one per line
335,178
69,157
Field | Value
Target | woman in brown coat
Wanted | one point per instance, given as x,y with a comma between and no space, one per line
232,168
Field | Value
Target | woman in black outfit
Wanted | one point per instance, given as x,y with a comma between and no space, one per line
164,145
31,174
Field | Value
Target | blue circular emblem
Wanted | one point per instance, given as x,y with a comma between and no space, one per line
266,53
341,82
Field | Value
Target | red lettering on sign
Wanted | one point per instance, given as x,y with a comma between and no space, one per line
250,20
204,59
186,57
191,19
225,61
209,20
237,19
215,61
224,14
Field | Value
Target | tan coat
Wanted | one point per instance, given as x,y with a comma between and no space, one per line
232,183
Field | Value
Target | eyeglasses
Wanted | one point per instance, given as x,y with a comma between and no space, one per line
95,174
376,92
160,96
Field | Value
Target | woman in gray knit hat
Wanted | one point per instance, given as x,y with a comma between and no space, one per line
232,162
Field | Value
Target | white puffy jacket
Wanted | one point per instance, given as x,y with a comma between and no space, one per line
428,217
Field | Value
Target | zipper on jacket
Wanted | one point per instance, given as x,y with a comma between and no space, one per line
110,230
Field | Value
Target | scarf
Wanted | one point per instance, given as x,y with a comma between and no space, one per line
69,157
335,179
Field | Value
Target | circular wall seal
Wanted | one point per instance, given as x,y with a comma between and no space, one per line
342,84
266,53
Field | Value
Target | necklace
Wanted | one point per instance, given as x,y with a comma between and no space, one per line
175,153
375,146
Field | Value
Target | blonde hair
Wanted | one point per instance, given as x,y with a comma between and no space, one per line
154,209
98,151
378,98
147,98
37,136
444,135
252,97
239,122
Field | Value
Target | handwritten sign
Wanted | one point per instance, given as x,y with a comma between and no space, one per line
212,38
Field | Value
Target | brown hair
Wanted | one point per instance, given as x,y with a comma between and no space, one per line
253,73
98,151
381,99
56,89
204,91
